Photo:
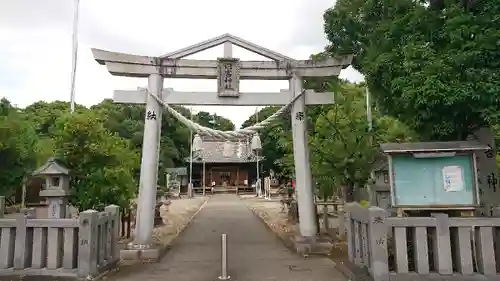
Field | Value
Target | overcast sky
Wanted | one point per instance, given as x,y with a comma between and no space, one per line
35,42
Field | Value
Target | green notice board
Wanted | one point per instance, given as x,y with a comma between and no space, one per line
433,181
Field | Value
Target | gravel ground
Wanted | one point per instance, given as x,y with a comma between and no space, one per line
269,212
179,214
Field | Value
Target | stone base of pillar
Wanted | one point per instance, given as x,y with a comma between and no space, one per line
149,253
316,245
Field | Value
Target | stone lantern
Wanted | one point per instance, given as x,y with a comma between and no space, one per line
56,188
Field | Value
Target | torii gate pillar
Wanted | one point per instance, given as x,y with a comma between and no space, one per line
146,200
303,176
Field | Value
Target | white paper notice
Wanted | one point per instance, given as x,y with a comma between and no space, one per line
453,178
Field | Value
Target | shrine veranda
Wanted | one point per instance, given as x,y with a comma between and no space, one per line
228,71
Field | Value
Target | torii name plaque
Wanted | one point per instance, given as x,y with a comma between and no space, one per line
228,77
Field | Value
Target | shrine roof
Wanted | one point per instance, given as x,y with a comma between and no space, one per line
432,146
213,151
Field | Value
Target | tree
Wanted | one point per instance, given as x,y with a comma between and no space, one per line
431,65
101,146
342,147
44,115
18,149
101,162
270,137
214,121
128,122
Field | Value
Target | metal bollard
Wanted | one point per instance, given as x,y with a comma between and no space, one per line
224,275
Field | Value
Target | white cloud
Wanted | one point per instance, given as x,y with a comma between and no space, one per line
35,42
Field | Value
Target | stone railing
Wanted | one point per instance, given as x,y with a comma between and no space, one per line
81,247
333,208
423,248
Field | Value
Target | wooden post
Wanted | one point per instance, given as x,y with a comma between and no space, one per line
237,182
238,175
211,175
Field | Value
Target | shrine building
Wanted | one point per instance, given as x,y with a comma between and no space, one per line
230,165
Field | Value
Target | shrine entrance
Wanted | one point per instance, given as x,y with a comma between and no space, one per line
228,71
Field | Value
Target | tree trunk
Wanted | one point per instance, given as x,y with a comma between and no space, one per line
341,220
318,230
349,193
326,225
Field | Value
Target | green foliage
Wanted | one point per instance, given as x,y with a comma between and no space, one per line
128,122
100,145
214,121
434,66
44,115
102,163
342,141
18,149
364,204
342,147
271,137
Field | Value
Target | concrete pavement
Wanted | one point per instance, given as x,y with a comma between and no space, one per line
254,252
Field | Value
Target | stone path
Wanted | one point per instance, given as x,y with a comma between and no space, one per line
255,253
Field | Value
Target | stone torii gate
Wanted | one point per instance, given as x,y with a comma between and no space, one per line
228,71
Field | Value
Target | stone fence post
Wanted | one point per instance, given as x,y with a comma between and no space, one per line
87,244
24,239
114,231
377,241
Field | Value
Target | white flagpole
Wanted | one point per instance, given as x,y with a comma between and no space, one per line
75,55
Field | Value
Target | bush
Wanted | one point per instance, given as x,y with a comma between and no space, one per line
364,204
102,164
